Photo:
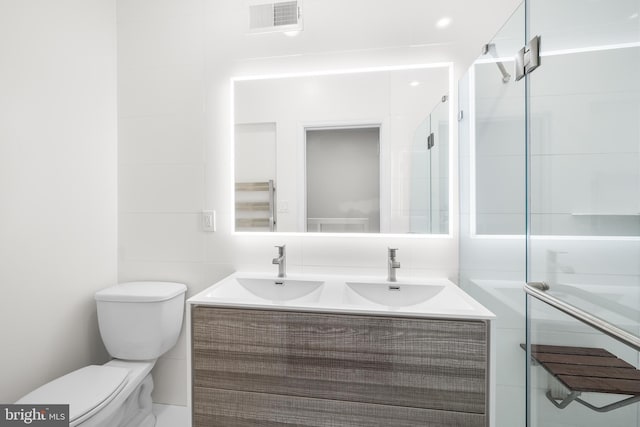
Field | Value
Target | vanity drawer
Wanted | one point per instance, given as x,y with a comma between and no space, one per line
419,363
227,408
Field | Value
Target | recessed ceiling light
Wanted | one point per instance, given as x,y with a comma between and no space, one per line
443,22
414,83
292,33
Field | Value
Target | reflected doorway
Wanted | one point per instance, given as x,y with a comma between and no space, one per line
343,179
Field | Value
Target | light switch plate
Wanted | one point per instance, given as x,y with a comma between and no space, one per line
209,220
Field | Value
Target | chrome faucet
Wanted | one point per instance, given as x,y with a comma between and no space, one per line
393,265
281,261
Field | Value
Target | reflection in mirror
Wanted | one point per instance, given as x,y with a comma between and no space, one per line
429,198
343,179
354,152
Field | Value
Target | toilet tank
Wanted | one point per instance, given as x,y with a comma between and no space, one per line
140,320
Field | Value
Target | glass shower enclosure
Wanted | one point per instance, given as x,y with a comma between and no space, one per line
550,196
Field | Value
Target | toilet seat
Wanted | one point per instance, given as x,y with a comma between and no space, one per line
86,391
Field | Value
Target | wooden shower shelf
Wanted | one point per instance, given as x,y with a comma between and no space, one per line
585,369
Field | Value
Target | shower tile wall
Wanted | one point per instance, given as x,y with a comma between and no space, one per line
584,149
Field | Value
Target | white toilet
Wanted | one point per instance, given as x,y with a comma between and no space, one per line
139,321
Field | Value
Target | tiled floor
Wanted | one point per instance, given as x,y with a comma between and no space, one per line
171,416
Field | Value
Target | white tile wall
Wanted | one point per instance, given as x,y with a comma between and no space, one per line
154,10
165,237
584,146
166,188
160,90
162,139
170,40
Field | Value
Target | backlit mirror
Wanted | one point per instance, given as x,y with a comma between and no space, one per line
363,151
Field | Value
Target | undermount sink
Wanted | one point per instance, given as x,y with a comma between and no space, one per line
266,289
393,294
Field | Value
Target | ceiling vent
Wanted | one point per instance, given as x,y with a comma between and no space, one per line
275,16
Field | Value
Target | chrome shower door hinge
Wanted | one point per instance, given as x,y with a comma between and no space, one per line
430,141
528,58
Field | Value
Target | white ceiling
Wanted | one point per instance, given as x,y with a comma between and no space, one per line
350,26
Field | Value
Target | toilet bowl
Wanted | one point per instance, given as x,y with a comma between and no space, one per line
139,321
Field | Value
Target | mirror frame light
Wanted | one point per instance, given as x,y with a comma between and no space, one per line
452,152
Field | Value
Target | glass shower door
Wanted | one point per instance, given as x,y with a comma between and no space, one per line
583,211
492,157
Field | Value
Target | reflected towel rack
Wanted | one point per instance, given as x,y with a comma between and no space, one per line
581,369
254,210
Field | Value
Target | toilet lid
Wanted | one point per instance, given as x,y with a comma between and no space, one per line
86,390
141,292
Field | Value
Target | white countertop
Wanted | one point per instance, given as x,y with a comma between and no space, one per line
424,298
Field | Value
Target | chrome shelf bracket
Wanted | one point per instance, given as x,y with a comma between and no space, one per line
575,396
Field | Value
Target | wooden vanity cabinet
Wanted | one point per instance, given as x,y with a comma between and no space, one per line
283,368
